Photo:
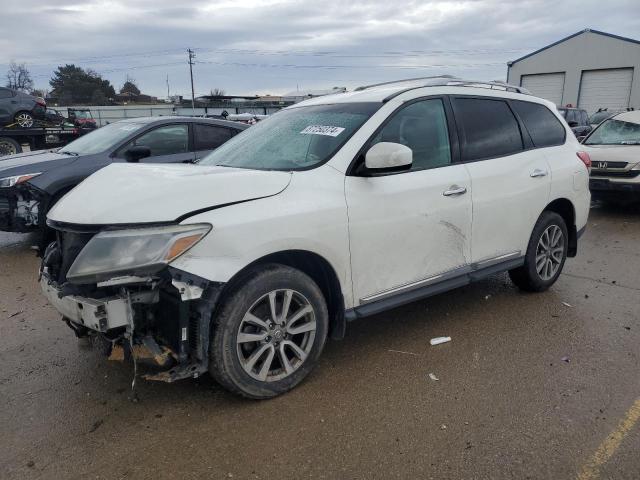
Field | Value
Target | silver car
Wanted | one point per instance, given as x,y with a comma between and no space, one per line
20,108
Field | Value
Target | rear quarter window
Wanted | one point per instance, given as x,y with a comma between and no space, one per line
543,126
488,128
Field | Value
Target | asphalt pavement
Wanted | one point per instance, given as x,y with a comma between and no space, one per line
532,386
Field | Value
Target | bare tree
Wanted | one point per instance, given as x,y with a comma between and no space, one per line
18,77
217,92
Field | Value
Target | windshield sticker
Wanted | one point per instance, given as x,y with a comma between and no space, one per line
322,130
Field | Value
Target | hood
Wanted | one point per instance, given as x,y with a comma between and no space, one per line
32,162
128,194
612,153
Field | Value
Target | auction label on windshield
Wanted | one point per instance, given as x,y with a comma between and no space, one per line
322,130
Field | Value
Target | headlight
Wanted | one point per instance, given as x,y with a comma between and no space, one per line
7,182
139,251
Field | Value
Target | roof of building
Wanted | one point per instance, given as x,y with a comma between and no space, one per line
586,30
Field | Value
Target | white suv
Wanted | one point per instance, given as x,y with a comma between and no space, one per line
336,208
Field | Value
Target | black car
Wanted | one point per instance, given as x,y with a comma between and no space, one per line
31,183
54,116
577,119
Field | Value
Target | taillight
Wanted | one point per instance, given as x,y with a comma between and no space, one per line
40,101
586,159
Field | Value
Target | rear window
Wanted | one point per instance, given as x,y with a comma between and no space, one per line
543,126
488,128
210,137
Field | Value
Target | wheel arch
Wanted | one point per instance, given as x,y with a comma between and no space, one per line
565,208
316,267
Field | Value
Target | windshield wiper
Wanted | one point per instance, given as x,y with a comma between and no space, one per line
67,152
630,142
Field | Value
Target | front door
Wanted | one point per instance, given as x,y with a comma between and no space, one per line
408,229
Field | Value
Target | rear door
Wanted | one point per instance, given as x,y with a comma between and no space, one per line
208,137
510,180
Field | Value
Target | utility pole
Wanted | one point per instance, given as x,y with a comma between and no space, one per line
192,55
168,94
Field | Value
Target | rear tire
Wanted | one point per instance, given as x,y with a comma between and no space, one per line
259,350
8,146
24,119
545,256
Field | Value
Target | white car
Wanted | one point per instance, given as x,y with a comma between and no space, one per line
333,209
614,148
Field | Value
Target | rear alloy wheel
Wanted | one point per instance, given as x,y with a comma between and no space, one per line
8,146
268,332
546,254
24,119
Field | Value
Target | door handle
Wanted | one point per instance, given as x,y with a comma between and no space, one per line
538,173
454,190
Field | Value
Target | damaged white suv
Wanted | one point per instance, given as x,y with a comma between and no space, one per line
333,209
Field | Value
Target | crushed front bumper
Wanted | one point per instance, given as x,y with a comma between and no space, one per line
20,209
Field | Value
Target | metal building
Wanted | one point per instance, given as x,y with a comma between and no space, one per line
589,69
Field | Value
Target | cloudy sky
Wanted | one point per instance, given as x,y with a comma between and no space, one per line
277,46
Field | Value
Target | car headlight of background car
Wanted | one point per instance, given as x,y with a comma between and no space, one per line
137,251
8,182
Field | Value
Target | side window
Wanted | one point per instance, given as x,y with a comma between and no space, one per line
543,126
5,93
421,126
210,137
167,140
488,128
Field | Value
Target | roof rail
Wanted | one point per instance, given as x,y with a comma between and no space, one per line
447,81
443,77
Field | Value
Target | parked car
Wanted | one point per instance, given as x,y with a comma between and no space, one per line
82,118
31,183
577,119
333,209
20,108
54,116
604,113
614,147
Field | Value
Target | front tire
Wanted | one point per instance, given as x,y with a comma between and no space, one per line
268,332
546,254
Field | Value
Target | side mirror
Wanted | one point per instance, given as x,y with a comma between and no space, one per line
385,155
137,153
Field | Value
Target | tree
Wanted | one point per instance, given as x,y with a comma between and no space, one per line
38,92
130,86
73,85
217,92
18,77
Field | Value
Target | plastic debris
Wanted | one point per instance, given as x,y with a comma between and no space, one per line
439,340
406,353
443,427
433,377
565,359
567,305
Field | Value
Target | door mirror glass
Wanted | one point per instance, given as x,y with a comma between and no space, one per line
385,155
136,153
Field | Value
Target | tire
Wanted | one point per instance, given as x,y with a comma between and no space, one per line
8,146
24,119
235,358
530,277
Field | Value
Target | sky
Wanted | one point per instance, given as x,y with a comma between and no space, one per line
252,47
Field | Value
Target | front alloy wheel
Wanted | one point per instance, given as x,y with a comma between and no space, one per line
276,335
268,331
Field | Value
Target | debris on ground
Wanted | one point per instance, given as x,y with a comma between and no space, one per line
443,427
487,297
565,359
439,340
96,425
15,313
433,377
31,464
567,305
406,353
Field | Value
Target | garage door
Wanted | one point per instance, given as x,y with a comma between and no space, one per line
546,85
605,89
